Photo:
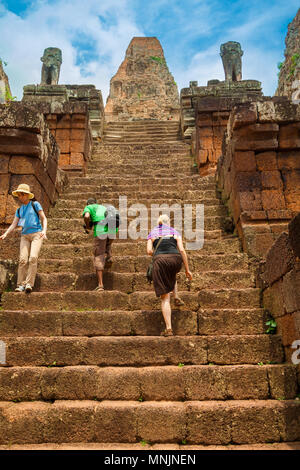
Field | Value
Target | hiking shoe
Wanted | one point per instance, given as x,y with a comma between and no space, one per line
28,288
20,289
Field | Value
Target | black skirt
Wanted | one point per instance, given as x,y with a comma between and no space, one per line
165,268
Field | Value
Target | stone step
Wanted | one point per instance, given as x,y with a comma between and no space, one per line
167,125
112,300
176,146
137,351
188,383
132,323
141,124
135,282
145,170
194,422
197,262
139,140
107,189
63,237
67,213
126,247
129,157
75,225
193,195
69,202
193,180
154,133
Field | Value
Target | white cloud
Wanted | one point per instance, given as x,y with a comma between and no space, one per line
23,40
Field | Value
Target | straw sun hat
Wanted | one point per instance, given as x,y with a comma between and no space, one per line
23,188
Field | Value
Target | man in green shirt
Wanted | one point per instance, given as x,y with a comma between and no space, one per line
95,216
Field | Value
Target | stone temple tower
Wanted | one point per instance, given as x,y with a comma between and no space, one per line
143,87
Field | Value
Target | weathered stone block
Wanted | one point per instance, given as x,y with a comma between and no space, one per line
247,181
64,159
291,289
272,199
4,162
64,145
243,115
250,200
266,161
4,183
77,146
294,234
283,381
289,136
273,299
244,161
279,260
286,328
200,415
62,134
22,165
256,137
271,180
289,160
76,158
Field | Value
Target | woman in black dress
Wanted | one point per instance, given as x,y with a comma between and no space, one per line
167,262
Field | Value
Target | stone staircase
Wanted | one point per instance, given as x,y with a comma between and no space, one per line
141,132
90,368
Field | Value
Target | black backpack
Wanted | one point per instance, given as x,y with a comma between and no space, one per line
112,216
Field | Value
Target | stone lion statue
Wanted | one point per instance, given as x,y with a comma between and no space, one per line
51,66
231,53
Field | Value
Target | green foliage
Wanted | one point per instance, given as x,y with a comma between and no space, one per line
180,364
143,442
141,398
8,95
159,60
272,326
53,364
2,62
183,441
279,65
260,363
294,61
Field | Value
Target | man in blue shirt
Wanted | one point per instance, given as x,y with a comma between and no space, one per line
30,216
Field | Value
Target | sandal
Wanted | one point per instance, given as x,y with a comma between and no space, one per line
178,302
167,332
99,288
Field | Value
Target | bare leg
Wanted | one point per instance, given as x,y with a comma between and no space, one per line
100,278
177,299
175,291
166,310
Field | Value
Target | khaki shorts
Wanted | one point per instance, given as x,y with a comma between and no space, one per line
102,250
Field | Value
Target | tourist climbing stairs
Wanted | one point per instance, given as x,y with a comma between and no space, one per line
87,369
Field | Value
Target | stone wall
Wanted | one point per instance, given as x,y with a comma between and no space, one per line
69,124
258,174
212,114
70,95
290,68
216,97
143,87
279,278
29,154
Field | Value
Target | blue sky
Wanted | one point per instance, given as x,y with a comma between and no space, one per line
94,35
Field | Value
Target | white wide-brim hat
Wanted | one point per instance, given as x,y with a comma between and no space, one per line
23,188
